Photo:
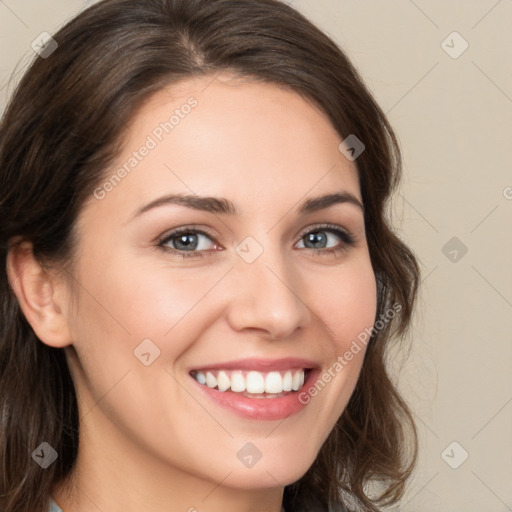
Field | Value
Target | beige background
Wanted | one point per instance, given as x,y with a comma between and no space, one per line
454,119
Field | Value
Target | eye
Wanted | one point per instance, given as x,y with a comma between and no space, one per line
320,237
192,242
187,242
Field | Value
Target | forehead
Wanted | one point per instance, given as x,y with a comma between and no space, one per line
230,137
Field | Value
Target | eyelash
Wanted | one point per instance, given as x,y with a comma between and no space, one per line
348,241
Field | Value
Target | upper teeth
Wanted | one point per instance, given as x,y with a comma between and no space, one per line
252,381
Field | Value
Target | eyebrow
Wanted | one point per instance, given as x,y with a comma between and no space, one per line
225,206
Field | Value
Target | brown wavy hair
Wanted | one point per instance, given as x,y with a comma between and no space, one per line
66,121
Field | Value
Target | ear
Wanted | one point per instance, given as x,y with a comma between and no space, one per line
40,295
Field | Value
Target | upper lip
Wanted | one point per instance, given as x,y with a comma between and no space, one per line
257,364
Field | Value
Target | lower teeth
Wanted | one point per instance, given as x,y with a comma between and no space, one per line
262,395
258,395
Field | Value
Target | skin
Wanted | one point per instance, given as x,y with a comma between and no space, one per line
149,439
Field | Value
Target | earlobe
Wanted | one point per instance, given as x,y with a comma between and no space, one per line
36,291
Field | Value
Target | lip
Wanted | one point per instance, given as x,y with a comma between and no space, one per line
262,409
260,365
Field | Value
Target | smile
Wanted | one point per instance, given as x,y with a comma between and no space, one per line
253,384
257,389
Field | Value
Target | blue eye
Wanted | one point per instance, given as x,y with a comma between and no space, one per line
319,237
191,242
186,242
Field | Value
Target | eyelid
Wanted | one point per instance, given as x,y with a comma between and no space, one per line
184,229
326,227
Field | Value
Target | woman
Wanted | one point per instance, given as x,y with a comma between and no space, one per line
139,374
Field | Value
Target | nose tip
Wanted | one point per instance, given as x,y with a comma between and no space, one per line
267,300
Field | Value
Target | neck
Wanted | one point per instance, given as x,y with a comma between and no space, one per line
114,474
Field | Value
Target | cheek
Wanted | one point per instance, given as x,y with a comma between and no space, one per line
126,302
347,310
347,303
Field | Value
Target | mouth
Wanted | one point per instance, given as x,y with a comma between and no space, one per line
257,389
253,384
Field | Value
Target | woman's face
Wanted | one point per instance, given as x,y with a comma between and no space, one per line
252,298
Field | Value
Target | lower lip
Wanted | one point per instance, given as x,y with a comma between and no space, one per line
266,409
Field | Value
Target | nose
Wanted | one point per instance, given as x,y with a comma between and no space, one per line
267,297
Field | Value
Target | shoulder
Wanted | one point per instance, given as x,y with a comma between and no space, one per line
314,507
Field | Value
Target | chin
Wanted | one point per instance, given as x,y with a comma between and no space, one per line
280,471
